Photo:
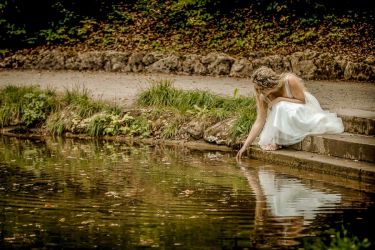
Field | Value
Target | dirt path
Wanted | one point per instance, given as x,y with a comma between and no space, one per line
123,87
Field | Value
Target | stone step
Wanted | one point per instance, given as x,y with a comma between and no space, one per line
324,164
357,121
346,145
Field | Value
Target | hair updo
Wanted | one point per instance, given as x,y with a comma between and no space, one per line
265,78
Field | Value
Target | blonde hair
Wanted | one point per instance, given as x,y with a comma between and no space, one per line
265,78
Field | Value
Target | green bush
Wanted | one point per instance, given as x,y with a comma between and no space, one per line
25,104
37,107
337,240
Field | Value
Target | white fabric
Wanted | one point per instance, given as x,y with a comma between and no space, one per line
288,123
289,197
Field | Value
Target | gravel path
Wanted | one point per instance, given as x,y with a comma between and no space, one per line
123,87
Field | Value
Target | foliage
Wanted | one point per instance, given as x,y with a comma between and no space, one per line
200,105
112,124
173,127
138,127
56,124
235,27
338,240
29,105
25,23
82,104
245,120
36,108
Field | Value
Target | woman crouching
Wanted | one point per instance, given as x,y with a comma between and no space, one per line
286,112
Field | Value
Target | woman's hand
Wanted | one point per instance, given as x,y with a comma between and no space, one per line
239,154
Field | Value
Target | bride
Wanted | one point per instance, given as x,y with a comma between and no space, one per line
286,112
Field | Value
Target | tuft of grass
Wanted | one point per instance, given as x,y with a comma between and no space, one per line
201,105
56,124
11,103
98,124
81,103
159,94
245,118
7,114
173,127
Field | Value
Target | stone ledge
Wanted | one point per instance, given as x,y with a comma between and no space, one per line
353,170
308,64
348,146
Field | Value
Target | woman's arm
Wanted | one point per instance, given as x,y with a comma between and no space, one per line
257,126
296,88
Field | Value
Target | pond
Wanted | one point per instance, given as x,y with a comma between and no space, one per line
71,194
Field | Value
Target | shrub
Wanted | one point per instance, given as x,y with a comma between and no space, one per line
25,104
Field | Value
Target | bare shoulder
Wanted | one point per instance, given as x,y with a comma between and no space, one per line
294,81
296,87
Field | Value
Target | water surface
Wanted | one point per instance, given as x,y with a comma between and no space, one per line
61,193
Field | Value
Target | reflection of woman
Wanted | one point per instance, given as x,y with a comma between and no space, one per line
289,197
286,112
283,207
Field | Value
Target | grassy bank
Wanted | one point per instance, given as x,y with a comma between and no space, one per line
161,111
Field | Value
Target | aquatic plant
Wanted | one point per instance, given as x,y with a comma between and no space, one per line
140,126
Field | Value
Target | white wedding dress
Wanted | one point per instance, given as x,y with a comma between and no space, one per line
288,123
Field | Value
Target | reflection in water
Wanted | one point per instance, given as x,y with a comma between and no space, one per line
291,198
285,203
78,194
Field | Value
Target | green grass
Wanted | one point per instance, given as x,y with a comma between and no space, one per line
81,103
55,124
201,105
336,240
75,111
28,105
78,103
